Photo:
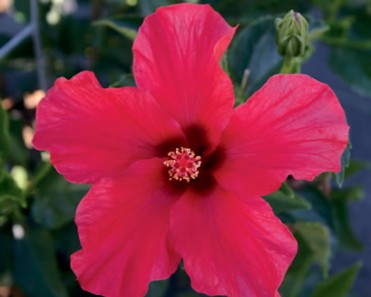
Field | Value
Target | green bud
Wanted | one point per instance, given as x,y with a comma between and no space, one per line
292,36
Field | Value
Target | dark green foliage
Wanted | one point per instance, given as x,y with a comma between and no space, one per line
251,46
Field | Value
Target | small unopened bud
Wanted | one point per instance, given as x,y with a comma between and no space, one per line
292,35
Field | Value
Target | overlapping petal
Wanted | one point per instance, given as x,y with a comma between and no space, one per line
123,228
231,246
134,224
176,56
92,132
294,126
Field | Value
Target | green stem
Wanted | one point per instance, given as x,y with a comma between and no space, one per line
291,65
243,87
42,172
17,216
352,44
300,277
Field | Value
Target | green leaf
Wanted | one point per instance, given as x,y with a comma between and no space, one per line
316,28
361,21
245,10
189,294
299,269
345,159
158,288
35,265
6,254
321,207
66,240
286,199
8,186
4,136
354,167
56,200
353,66
124,81
149,6
11,196
349,194
119,27
18,153
254,48
314,247
317,238
338,285
343,229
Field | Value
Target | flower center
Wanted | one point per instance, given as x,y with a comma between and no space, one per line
183,164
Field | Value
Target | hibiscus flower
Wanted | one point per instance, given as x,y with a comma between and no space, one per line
177,173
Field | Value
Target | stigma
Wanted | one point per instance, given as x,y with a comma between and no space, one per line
183,164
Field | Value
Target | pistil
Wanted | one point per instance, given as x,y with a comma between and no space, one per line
183,164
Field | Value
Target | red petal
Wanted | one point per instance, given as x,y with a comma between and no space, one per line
293,125
176,57
123,228
231,246
93,132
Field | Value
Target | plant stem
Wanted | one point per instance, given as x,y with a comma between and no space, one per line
352,44
42,172
291,65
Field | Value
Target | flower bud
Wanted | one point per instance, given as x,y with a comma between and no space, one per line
292,36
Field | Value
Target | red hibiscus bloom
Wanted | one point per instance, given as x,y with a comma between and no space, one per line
176,172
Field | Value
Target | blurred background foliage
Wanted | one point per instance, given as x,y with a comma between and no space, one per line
37,233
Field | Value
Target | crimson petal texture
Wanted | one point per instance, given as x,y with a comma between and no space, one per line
176,55
231,246
123,228
294,125
92,132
